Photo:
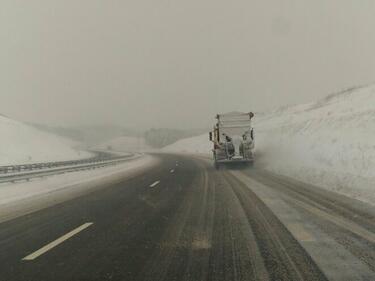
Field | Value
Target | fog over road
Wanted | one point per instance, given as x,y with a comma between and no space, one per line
184,220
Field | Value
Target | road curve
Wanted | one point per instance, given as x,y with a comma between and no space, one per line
184,220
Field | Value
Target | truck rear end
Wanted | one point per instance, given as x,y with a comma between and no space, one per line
233,139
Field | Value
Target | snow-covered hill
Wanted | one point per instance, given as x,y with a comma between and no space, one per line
330,142
21,143
199,145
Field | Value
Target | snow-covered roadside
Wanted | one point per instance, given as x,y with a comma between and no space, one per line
330,143
21,198
21,144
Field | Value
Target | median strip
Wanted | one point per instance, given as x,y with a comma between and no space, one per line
155,184
57,242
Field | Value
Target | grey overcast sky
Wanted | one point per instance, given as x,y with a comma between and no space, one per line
173,63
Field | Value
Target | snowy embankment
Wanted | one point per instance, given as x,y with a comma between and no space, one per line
21,144
330,143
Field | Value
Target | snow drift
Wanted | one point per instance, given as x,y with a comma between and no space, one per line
330,143
21,143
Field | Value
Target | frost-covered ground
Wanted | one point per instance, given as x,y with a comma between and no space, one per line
21,143
330,143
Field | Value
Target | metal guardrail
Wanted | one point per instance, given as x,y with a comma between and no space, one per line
60,168
100,157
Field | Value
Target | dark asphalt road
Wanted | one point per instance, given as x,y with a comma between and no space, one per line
195,223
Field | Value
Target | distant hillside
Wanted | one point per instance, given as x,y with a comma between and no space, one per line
125,144
89,135
21,143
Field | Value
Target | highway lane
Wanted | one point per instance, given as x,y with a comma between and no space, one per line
184,220
341,229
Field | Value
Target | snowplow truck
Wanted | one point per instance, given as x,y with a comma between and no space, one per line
233,139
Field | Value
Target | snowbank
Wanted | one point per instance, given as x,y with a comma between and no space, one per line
330,143
21,143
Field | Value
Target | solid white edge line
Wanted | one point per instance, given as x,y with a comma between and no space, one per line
155,184
58,241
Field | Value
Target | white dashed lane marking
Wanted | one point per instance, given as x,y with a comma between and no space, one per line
57,242
155,184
